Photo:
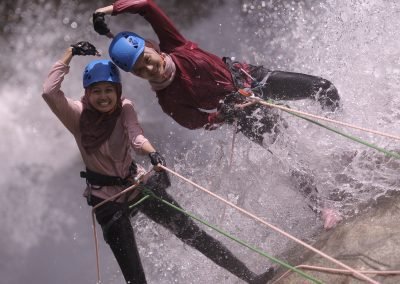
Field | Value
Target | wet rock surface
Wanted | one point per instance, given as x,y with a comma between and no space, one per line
369,241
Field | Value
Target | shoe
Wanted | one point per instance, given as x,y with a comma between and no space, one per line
331,218
264,278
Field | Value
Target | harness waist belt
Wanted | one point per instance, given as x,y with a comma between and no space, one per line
97,179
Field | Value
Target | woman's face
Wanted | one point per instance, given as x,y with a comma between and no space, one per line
103,96
150,65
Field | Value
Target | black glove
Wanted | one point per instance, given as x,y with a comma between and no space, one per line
228,110
156,159
84,48
99,24
230,113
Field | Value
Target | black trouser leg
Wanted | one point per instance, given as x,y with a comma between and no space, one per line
282,85
118,233
187,231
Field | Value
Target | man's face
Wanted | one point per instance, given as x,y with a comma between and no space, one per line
150,65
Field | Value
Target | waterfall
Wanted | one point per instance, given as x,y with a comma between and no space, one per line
46,226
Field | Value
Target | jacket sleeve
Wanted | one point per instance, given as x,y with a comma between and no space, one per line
166,31
187,116
67,110
132,126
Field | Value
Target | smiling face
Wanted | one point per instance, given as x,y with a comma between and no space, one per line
150,65
103,96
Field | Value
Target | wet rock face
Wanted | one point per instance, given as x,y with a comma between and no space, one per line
370,241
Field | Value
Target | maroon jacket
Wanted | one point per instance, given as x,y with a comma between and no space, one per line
201,79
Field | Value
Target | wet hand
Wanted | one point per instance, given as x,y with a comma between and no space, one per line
84,48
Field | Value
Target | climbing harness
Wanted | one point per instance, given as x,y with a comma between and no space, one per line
237,110
227,106
96,181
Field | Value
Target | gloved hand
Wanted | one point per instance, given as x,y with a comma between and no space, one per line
228,112
229,108
84,48
231,112
99,24
156,158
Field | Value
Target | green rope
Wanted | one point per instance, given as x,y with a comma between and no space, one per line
386,152
140,201
149,193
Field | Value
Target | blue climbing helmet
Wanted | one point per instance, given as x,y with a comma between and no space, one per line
125,49
102,70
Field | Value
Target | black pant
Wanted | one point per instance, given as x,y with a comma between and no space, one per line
280,85
118,233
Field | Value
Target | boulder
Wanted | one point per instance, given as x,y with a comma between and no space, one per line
368,241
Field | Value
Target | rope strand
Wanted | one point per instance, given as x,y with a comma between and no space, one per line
263,102
336,271
353,271
239,241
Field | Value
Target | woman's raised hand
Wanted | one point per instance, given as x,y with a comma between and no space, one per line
84,48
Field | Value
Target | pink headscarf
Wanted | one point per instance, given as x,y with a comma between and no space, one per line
96,127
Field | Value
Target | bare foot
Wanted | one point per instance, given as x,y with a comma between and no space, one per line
331,218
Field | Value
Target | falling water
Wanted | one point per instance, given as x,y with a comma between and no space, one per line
46,225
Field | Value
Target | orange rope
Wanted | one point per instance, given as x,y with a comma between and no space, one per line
273,227
324,118
337,271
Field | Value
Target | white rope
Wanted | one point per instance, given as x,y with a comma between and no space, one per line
263,102
353,271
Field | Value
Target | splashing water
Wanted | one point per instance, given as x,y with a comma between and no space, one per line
353,44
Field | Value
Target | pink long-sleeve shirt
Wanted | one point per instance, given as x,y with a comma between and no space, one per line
202,78
114,156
